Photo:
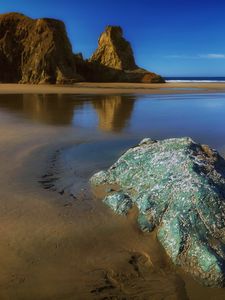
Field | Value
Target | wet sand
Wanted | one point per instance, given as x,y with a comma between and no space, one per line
55,246
114,88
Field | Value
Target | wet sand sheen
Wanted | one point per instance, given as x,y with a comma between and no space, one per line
53,247
56,247
114,88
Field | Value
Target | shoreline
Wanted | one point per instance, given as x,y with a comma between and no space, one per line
50,235
56,236
115,88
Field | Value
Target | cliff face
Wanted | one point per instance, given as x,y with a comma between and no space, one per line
114,51
35,51
114,61
39,51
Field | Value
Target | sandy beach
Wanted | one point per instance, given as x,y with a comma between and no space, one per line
112,150
55,246
113,88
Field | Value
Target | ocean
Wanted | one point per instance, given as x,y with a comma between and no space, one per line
195,79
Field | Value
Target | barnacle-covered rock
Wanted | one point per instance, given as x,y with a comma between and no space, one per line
119,202
179,189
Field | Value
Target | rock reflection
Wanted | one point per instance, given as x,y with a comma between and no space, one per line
113,111
47,109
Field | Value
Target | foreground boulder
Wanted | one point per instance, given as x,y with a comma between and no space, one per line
35,51
179,189
114,61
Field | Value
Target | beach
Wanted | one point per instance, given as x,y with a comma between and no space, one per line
112,150
58,247
114,88
59,241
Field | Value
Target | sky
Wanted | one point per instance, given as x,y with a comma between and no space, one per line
169,37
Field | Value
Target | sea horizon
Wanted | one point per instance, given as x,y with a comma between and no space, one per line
195,79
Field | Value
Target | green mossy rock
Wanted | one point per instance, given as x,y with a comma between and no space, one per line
179,189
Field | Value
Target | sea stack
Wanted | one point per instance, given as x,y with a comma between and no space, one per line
115,53
35,51
38,51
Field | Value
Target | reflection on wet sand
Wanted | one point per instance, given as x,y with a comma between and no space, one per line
48,109
113,112
54,246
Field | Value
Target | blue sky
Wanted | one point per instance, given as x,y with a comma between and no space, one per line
172,38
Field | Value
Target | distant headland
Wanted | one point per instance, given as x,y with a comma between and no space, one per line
38,51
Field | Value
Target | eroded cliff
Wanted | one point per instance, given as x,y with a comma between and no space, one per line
35,51
38,51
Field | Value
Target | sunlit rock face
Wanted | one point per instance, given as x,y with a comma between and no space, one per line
113,61
35,51
179,189
38,51
114,51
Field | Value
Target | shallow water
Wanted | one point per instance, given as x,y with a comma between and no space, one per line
58,241
183,89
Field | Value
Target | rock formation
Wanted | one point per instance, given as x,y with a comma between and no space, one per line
39,51
35,51
114,51
114,61
179,189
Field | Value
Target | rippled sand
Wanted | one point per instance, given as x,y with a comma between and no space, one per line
57,246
